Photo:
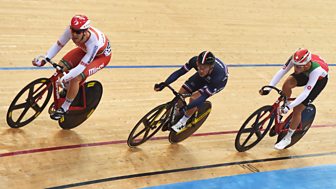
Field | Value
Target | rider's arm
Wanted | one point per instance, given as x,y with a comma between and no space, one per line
206,92
59,44
89,56
174,76
289,64
313,77
183,70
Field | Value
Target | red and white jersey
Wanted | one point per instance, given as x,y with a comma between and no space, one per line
95,45
318,70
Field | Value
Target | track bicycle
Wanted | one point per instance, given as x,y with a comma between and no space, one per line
34,97
166,115
259,123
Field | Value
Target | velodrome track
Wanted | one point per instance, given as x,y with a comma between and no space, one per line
149,41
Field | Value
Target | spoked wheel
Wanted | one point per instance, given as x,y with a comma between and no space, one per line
254,128
193,124
148,126
29,103
307,118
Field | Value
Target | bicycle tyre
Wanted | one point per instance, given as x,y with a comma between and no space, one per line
265,112
193,124
308,116
72,119
151,125
35,94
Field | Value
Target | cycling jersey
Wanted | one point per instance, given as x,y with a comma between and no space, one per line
207,86
318,70
97,44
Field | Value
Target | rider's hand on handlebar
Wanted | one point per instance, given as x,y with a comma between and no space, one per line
284,109
38,62
159,86
61,82
264,91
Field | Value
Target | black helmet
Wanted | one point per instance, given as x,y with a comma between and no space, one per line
206,58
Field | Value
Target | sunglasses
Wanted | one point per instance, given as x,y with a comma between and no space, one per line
77,31
300,66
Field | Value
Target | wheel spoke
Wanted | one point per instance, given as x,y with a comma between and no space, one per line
31,91
247,139
257,119
36,107
138,134
22,115
20,106
258,133
248,130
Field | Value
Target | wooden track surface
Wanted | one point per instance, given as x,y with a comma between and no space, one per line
160,33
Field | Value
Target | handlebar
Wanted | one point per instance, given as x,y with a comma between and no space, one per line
55,65
282,95
181,96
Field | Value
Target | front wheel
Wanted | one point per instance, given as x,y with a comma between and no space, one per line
254,128
148,126
29,103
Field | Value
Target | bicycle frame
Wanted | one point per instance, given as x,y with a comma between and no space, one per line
58,101
173,104
280,126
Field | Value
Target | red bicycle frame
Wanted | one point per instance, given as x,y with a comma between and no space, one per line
58,101
280,125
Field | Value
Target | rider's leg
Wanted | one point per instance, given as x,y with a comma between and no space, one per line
288,85
182,122
185,90
192,85
193,97
296,119
72,92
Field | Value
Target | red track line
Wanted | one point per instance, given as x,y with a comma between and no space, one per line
15,153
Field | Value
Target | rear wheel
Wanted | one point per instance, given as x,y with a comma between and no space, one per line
93,91
254,128
148,126
307,118
29,103
194,123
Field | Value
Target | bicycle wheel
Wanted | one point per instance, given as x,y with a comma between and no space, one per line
193,124
93,92
29,103
254,128
148,126
307,118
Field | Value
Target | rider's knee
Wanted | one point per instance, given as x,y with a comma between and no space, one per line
297,110
65,68
290,83
76,80
194,96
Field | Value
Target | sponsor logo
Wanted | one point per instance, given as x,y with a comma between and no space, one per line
96,69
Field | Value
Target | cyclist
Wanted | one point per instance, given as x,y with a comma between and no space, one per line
93,53
211,77
310,71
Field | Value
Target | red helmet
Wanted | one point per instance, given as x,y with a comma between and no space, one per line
301,57
80,22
